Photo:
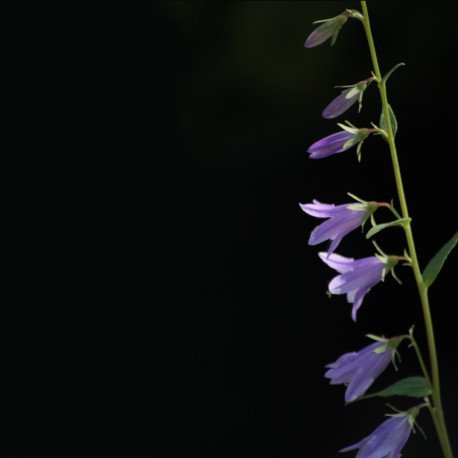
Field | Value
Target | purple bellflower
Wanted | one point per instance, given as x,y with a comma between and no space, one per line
359,370
342,220
329,28
385,441
347,99
338,142
335,143
357,276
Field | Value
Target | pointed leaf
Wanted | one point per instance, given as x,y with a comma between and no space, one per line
379,227
394,123
414,387
435,265
385,78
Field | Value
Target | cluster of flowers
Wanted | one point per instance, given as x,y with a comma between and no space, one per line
356,277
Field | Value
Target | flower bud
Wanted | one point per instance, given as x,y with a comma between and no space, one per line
329,28
346,99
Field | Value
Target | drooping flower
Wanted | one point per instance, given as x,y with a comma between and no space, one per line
387,440
346,99
357,276
342,220
338,142
330,28
359,369
335,143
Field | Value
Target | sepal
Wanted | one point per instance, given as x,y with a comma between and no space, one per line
328,28
359,136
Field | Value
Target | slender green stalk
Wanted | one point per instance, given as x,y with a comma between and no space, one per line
436,411
425,373
420,360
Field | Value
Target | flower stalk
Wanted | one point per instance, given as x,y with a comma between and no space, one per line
436,410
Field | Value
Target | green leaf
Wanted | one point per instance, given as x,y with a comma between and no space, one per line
394,123
435,265
385,78
379,227
414,387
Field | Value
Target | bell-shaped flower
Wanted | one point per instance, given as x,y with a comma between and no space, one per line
358,370
356,277
338,142
346,99
342,220
330,28
387,440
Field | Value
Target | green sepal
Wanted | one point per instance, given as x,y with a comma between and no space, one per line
350,128
358,207
394,123
363,205
377,338
354,11
353,92
361,135
360,101
323,20
393,272
390,344
435,265
358,150
366,217
413,387
333,19
381,349
334,36
356,198
390,264
379,227
350,142
341,20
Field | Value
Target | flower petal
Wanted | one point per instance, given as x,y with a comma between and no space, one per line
337,262
340,104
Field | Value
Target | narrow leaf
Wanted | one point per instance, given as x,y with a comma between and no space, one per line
385,78
435,265
414,387
394,123
379,227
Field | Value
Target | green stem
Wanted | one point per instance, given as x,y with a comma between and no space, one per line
428,380
420,360
437,411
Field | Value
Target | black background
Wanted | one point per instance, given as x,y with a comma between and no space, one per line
76,233
167,141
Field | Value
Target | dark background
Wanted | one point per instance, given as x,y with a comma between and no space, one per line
76,164
153,158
